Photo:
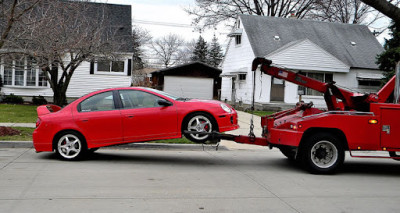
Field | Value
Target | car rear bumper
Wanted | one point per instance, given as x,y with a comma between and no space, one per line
40,141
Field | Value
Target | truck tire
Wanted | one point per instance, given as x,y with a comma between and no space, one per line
288,151
322,153
393,155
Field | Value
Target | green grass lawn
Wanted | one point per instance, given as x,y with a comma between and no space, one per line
25,135
261,113
11,113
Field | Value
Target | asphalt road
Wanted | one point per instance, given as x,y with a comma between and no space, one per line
191,180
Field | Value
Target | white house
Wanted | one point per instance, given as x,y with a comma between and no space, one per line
343,53
21,77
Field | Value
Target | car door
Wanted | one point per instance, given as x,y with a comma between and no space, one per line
99,119
144,119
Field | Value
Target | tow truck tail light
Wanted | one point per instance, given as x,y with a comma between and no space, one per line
372,121
38,122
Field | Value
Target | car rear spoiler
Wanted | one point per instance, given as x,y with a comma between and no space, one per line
46,109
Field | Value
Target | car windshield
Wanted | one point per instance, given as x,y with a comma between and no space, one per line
166,94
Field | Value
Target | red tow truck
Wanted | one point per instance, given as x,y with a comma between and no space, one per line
366,125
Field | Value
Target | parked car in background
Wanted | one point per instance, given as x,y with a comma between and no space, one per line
126,115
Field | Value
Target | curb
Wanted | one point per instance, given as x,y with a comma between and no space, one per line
138,146
16,144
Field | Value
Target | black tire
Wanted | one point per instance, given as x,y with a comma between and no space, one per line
200,122
93,150
70,145
393,155
322,153
289,152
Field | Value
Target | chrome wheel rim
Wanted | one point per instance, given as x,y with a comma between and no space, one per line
69,146
324,154
199,123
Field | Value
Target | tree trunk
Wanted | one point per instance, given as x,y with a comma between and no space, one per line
386,8
59,97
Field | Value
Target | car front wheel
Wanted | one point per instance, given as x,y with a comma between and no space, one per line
71,146
201,123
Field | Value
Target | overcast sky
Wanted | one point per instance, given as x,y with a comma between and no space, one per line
161,17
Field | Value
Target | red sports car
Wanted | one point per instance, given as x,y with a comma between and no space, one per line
125,115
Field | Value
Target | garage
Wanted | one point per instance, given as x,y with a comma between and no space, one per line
191,80
188,87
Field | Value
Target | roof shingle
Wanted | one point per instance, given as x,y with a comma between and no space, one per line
334,38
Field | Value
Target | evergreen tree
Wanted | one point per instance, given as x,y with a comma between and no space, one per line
215,54
388,59
137,51
200,51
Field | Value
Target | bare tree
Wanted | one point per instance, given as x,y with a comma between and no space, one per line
389,8
344,11
186,52
210,12
11,13
167,49
63,34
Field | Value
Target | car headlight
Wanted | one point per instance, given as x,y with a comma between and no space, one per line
226,108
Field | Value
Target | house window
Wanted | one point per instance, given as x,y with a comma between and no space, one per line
238,39
22,72
369,82
324,77
111,66
242,77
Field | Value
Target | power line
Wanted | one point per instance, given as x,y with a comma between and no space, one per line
169,24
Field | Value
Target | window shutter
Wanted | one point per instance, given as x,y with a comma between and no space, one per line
92,67
129,67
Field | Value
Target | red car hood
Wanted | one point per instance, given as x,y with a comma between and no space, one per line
205,101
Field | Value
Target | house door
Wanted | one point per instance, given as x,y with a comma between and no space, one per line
277,89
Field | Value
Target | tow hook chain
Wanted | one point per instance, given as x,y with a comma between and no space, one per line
251,133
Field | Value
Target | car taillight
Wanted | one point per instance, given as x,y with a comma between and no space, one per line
38,122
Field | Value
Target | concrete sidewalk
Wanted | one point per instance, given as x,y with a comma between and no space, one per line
31,125
243,117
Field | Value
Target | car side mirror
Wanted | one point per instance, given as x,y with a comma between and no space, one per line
163,102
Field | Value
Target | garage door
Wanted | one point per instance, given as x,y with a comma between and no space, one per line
187,87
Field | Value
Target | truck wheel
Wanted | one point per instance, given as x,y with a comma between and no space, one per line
289,152
393,155
322,153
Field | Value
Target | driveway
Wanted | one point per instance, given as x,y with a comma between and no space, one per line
244,123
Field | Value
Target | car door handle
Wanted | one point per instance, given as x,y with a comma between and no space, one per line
84,120
130,116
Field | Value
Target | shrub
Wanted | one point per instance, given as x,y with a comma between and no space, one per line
40,100
13,99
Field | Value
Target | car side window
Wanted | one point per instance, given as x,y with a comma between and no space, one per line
138,99
99,102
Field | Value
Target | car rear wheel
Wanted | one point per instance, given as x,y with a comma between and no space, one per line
322,153
71,146
199,122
